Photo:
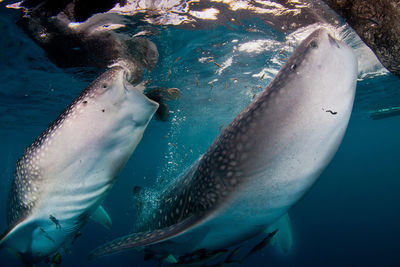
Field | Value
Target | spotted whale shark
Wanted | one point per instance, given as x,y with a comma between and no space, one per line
262,162
65,174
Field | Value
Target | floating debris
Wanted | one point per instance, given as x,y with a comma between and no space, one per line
384,113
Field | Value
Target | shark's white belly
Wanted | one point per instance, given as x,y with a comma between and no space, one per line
66,173
264,160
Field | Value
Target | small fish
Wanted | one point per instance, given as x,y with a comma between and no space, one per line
77,235
221,126
200,257
233,253
56,260
260,245
197,81
55,221
373,21
142,33
262,77
218,65
226,85
212,85
169,73
177,59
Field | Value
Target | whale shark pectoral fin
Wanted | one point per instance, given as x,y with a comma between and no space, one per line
283,237
100,216
142,239
18,236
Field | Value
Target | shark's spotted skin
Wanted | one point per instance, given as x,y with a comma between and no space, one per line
67,171
24,191
262,162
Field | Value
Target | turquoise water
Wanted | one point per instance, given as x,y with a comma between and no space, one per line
349,218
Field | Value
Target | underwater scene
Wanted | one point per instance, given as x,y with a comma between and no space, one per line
212,133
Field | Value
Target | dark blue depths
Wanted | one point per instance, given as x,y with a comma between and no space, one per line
349,218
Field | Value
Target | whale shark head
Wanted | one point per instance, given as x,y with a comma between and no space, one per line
67,171
263,161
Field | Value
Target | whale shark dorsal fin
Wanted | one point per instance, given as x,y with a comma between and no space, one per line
101,216
142,239
283,237
17,235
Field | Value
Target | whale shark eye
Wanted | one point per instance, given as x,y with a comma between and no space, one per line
313,44
104,85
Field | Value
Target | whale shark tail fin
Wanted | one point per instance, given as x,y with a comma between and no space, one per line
16,236
142,239
283,238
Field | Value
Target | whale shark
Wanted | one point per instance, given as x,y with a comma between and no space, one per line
262,163
65,174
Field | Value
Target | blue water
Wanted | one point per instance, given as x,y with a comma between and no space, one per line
350,217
